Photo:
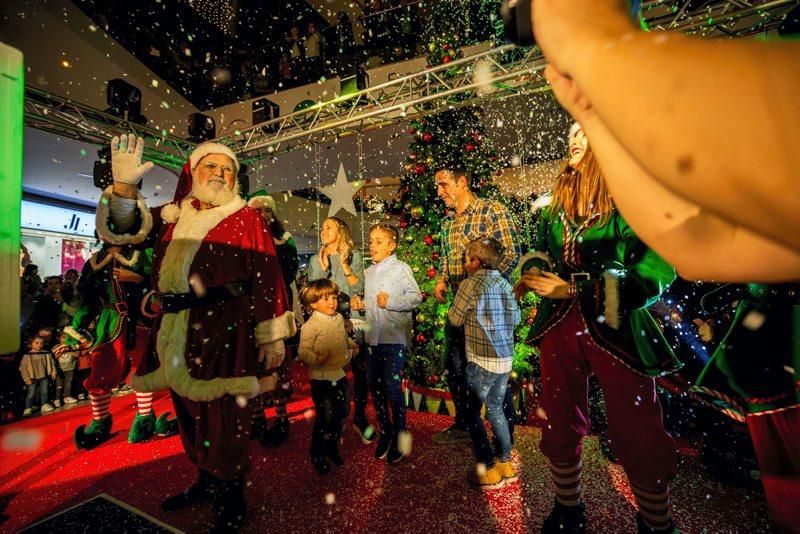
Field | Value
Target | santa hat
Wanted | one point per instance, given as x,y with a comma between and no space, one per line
261,199
184,186
204,149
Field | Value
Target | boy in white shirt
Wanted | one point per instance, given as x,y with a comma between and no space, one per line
390,295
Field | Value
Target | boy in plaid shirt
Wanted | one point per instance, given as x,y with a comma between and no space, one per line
485,306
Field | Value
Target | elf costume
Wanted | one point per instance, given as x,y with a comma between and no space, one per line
289,262
602,328
120,333
754,377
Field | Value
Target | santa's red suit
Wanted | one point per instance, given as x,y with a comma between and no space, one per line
220,265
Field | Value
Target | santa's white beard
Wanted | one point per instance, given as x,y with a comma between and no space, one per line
210,194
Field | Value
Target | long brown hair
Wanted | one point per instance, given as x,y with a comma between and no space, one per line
345,236
582,190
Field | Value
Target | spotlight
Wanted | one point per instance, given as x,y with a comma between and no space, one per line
264,110
125,101
201,128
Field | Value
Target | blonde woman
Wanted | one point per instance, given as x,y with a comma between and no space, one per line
596,279
339,261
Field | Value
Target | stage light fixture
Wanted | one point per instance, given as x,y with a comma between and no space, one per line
263,110
125,101
201,128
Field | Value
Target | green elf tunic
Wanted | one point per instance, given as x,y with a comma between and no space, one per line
617,278
97,290
755,370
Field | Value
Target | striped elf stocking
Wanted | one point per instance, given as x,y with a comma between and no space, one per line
566,479
100,404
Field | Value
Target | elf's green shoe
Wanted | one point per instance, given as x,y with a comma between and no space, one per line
166,427
96,433
143,428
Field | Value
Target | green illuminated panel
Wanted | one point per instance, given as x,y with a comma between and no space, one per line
12,91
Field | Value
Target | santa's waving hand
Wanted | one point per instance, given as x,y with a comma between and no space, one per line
221,305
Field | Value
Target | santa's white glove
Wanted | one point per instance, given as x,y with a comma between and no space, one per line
272,354
126,159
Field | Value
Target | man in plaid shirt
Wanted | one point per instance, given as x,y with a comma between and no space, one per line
474,217
486,309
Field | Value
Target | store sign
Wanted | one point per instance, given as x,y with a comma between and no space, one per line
37,216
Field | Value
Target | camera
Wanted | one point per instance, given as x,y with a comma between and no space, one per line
518,23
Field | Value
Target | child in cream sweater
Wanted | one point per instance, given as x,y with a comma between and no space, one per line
326,348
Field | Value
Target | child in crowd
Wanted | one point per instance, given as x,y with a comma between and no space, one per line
66,352
485,306
37,369
326,348
390,294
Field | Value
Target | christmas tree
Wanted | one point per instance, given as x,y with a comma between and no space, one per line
454,138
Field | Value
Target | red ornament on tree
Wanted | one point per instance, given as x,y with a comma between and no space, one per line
433,380
419,169
476,137
470,147
446,46
421,338
428,240
431,272
447,59
435,256
403,224
427,137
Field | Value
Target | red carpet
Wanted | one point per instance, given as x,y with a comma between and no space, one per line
42,473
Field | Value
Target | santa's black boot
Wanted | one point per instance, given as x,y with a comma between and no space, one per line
229,507
277,434
200,491
565,519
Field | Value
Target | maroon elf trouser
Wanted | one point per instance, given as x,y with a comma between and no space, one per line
635,426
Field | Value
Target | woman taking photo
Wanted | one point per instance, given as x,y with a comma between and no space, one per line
596,279
338,260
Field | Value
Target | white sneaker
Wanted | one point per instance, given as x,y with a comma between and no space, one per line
82,396
27,412
57,403
70,400
47,408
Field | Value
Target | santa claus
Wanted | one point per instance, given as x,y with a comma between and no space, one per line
221,306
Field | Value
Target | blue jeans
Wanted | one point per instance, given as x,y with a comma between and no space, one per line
455,365
385,373
42,384
489,389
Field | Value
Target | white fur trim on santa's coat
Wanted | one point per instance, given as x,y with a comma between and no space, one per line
204,149
611,304
103,214
191,229
170,213
275,329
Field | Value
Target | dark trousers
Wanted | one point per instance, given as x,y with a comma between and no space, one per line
360,383
64,384
456,365
330,409
385,376
215,434
40,384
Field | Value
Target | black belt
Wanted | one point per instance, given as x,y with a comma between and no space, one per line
175,302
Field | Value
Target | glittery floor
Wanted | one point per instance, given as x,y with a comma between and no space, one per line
42,473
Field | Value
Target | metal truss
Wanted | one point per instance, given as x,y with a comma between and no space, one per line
60,116
514,71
